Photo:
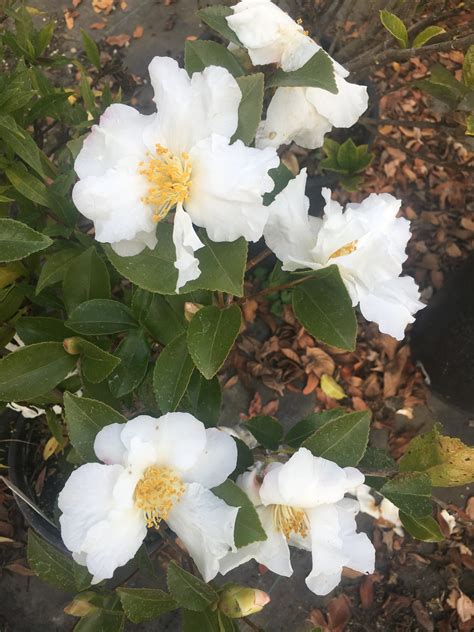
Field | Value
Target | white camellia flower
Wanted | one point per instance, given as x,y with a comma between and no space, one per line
155,469
305,114
384,509
301,503
367,242
134,169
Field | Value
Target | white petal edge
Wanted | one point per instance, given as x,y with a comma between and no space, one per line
186,243
217,461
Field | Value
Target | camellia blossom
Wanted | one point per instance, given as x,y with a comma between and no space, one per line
152,470
302,114
301,503
367,242
134,169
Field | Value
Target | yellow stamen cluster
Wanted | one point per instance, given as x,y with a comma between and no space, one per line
290,520
170,180
157,492
345,250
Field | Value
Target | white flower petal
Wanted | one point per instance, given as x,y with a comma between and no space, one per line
113,202
113,542
205,524
274,552
250,483
142,427
228,184
306,127
289,232
85,500
344,108
108,444
186,242
118,136
132,247
391,305
180,441
305,481
217,461
190,109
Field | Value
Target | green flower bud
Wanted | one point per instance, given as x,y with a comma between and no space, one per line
240,601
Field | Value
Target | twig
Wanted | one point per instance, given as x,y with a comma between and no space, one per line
276,288
251,263
251,624
340,30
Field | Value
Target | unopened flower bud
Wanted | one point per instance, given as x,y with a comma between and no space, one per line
81,606
240,601
72,346
190,309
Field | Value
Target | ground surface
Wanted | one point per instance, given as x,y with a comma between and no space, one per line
417,586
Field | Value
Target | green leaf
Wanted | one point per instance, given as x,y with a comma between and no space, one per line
134,354
323,306
82,577
248,527
54,268
32,329
395,27
203,399
205,621
144,604
342,439
20,141
306,427
102,621
281,175
411,493
425,528
317,72
157,316
84,418
49,564
18,240
250,107
222,266
377,459
447,460
96,364
426,34
468,67
86,278
189,591
91,49
215,17
244,458
172,373
442,85
200,54
101,316
211,335
11,299
34,370
347,156
27,184
267,430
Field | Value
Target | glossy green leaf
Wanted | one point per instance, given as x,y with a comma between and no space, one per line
27,184
91,49
395,27
100,317
33,370
172,373
21,143
102,621
203,399
215,17
134,354
425,528
248,527
317,72
157,316
250,107
96,364
306,427
411,493
189,591
281,175
348,157
49,564
32,329
18,240
324,308
199,54
84,418
211,335
86,278
267,430
144,604
55,268
342,439
426,35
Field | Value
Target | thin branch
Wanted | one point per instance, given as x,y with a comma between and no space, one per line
251,624
275,288
251,263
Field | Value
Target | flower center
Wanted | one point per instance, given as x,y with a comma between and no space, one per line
345,250
157,492
290,520
169,177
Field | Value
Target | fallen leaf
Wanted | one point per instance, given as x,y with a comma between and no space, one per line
331,388
69,19
118,40
394,371
366,592
339,613
104,6
138,32
50,448
422,616
98,26
19,569
464,608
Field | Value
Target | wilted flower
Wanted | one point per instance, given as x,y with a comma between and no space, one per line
301,503
135,169
156,469
301,114
367,242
